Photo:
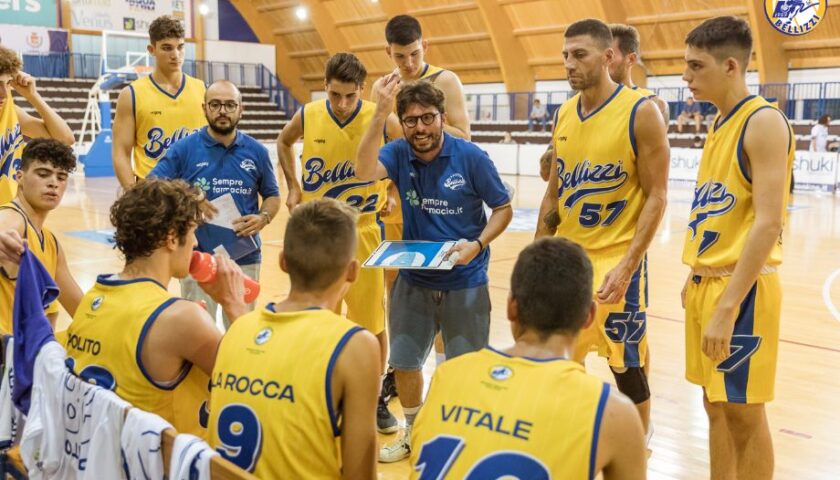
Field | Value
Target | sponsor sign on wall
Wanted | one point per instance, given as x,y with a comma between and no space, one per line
43,13
127,15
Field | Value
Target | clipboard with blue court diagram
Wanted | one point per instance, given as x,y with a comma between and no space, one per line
411,255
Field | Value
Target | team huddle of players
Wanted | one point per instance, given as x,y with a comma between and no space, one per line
289,378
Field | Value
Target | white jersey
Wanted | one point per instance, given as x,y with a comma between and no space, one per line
190,458
141,444
69,420
10,417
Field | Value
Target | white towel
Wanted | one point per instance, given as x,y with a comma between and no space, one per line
190,458
140,443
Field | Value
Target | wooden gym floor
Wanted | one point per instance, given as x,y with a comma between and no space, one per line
805,425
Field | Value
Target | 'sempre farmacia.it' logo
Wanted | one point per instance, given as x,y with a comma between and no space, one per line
795,17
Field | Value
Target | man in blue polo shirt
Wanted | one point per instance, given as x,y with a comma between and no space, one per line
443,183
221,160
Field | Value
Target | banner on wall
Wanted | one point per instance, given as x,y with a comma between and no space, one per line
42,13
30,40
127,15
815,170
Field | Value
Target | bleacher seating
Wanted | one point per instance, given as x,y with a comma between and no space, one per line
261,118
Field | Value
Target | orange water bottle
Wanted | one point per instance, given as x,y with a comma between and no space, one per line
203,269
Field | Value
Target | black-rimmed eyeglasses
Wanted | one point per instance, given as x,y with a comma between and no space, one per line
229,107
426,118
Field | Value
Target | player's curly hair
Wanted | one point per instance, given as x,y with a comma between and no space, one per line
165,27
149,211
9,61
49,151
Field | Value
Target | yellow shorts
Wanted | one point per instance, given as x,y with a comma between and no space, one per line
366,297
619,331
748,375
393,231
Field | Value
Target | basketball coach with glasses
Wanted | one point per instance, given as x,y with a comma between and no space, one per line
220,159
443,182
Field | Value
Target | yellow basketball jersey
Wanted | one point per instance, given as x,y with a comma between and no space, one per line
600,197
643,92
11,146
430,73
329,153
722,212
488,412
45,248
162,119
104,342
271,402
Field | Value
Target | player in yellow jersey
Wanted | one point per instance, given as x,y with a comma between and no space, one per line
157,110
732,296
609,193
331,130
530,411
293,376
129,334
42,179
626,55
15,123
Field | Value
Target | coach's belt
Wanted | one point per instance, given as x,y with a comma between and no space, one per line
726,271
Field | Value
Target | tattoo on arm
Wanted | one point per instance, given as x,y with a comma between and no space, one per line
552,219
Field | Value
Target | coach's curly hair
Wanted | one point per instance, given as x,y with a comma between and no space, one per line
150,211
9,61
165,27
49,151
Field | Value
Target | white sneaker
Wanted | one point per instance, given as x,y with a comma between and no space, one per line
398,450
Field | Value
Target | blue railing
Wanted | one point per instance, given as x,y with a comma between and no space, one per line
797,100
88,65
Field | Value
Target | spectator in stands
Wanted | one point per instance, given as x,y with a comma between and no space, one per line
222,160
691,110
15,123
697,142
819,135
507,139
538,114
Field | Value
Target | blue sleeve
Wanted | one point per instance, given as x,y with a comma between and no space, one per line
268,179
168,166
486,181
389,157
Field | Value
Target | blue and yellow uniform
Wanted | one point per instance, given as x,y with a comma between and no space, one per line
600,199
104,342
490,415
643,91
329,150
162,119
722,215
272,406
394,221
45,247
11,147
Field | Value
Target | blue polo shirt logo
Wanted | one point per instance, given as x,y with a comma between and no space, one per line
412,198
455,181
248,165
202,183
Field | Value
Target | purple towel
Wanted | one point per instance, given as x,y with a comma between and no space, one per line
34,290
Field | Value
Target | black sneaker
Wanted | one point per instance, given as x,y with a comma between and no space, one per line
389,386
385,420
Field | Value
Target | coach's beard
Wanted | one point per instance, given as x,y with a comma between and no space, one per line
214,125
432,143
